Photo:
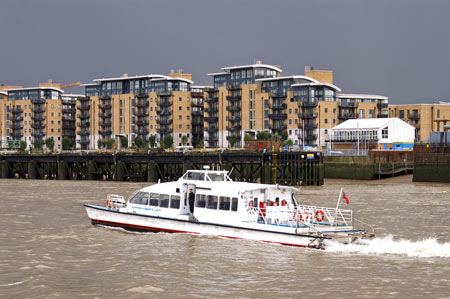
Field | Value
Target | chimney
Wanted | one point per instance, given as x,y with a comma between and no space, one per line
180,71
50,81
308,68
172,71
124,75
258,62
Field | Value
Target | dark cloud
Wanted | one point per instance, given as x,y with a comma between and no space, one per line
397,48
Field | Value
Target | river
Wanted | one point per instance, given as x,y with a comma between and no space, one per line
49,248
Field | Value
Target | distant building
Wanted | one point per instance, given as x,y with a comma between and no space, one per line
371,133
426,118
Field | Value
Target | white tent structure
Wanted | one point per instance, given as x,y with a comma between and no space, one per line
373,130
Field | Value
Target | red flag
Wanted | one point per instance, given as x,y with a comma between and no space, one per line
345,197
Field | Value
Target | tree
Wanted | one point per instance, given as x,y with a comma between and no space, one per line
284,135
275,137
37,144
66,143
232,140
263,135
124,142
99,144
201,145
168,141
247,137
184,140
23,145
50,143
110,143
152,140
138,142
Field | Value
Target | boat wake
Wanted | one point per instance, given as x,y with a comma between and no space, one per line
388,246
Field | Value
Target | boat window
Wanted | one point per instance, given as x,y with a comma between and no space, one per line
217,177
154,198
224,203
175,201
164,200
212,202
234,204
196,176
140,198
201,201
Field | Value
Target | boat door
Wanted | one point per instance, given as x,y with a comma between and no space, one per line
185,202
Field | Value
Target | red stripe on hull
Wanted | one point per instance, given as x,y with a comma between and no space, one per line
158,229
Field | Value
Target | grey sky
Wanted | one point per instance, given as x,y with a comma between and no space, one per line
396,48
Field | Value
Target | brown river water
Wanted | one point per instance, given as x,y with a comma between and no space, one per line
49,248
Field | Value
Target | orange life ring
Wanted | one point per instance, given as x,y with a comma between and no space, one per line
284,202
107,203
318,217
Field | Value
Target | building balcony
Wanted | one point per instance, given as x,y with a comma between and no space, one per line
278,127
307,104
165,103
83,116
142,131
142,113
142,104
231,87
85,107
105,132
345,116
165,130
234,128
211,119
234,118
413,116
83,99
168,121
212,100
197,122
197,94
197,112
142,122
278,116
38,109
106,106
197,139
38,117
105,115
350,105
308,126
16,134
233,108
382,105
105,123
311,137
68,125
142,94
234,98
39,101
212,139
16,110
38,125
278,106
83,132
164,93
38,134
68,117
212,129
237,135
307,115
84,124
105,97
213,109
84,141
197,131
17,126
17,118
68,133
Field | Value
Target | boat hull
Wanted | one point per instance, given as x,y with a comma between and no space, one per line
138,222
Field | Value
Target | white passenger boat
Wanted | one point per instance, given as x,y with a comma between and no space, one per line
268,213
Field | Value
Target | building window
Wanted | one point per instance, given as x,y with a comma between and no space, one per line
179,117
361,113
326,120
179,108
290,111
326,110
438,113
188,126
384,132
401,113
266,124
266,104
266,113
179,126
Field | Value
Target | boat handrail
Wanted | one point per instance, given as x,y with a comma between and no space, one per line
115,202
302,215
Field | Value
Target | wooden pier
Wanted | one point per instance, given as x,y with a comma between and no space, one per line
287,168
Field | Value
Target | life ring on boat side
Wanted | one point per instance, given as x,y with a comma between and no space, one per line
283,202
320,215
250,204
108,205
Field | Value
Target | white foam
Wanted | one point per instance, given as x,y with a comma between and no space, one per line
145,289
13,283
387,245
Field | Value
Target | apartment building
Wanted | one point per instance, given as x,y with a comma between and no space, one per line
142,106
425,118
251,98
37,113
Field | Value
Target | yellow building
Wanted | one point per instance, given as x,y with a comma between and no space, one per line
425,118
145,106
